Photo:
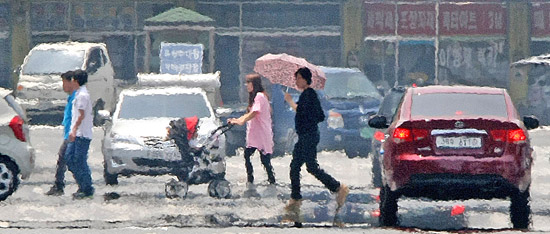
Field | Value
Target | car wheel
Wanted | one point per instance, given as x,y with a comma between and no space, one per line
230,149
99,105
286,145
219,189
376,172
110,179
520,210
388,207
357,151
278,151
9,179
351,153
176,189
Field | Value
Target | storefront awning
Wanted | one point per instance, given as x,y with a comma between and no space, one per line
178,16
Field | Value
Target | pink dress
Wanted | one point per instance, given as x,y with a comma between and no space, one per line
258,130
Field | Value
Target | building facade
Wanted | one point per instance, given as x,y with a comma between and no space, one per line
244,30
452,42
393,42
117,23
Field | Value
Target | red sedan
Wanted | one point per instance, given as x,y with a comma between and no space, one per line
456,142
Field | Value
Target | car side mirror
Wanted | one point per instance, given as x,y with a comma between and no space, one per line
378,121
530,122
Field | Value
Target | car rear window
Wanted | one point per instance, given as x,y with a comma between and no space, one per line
458,104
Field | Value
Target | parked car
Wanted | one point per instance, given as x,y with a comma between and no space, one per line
456,142
136,142
348,99
387,109
39,89
17,156
535,98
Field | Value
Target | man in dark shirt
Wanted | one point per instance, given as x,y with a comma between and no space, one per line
308,114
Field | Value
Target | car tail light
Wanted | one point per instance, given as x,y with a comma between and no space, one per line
402,135
16,124
514,136
379,136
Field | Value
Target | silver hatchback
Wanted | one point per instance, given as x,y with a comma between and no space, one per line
17,156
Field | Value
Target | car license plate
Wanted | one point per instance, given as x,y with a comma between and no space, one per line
458,142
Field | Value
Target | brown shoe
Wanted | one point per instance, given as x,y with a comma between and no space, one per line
292,212
342,194
293,205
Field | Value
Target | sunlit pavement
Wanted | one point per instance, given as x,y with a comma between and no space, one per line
142,202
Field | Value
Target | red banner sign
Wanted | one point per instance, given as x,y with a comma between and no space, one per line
540,19
472,19
416,19
380,19
454,19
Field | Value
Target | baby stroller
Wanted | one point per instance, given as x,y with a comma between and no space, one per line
197,165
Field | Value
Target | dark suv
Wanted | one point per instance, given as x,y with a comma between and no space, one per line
456,142
387,109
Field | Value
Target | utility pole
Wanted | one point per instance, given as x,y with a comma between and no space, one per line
519,38
20,35
352,39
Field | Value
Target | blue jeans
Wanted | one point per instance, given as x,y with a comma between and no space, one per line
76,157
61,166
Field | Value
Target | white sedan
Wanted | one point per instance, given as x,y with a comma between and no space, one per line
17,156
136,142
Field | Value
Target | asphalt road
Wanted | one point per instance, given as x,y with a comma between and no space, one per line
143,207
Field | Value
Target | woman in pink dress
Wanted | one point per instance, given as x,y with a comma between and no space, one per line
259,135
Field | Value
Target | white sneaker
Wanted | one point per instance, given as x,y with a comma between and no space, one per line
270,191
251,191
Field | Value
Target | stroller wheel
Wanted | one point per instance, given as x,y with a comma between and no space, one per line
110,179
219,189
176,189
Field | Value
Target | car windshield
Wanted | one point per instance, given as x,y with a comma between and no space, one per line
349,85
53,61
162,105
458,104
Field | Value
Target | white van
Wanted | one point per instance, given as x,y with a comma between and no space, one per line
40,91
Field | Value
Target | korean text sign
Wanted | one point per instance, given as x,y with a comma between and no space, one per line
181,58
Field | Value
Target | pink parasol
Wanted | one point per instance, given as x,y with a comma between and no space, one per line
280,69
